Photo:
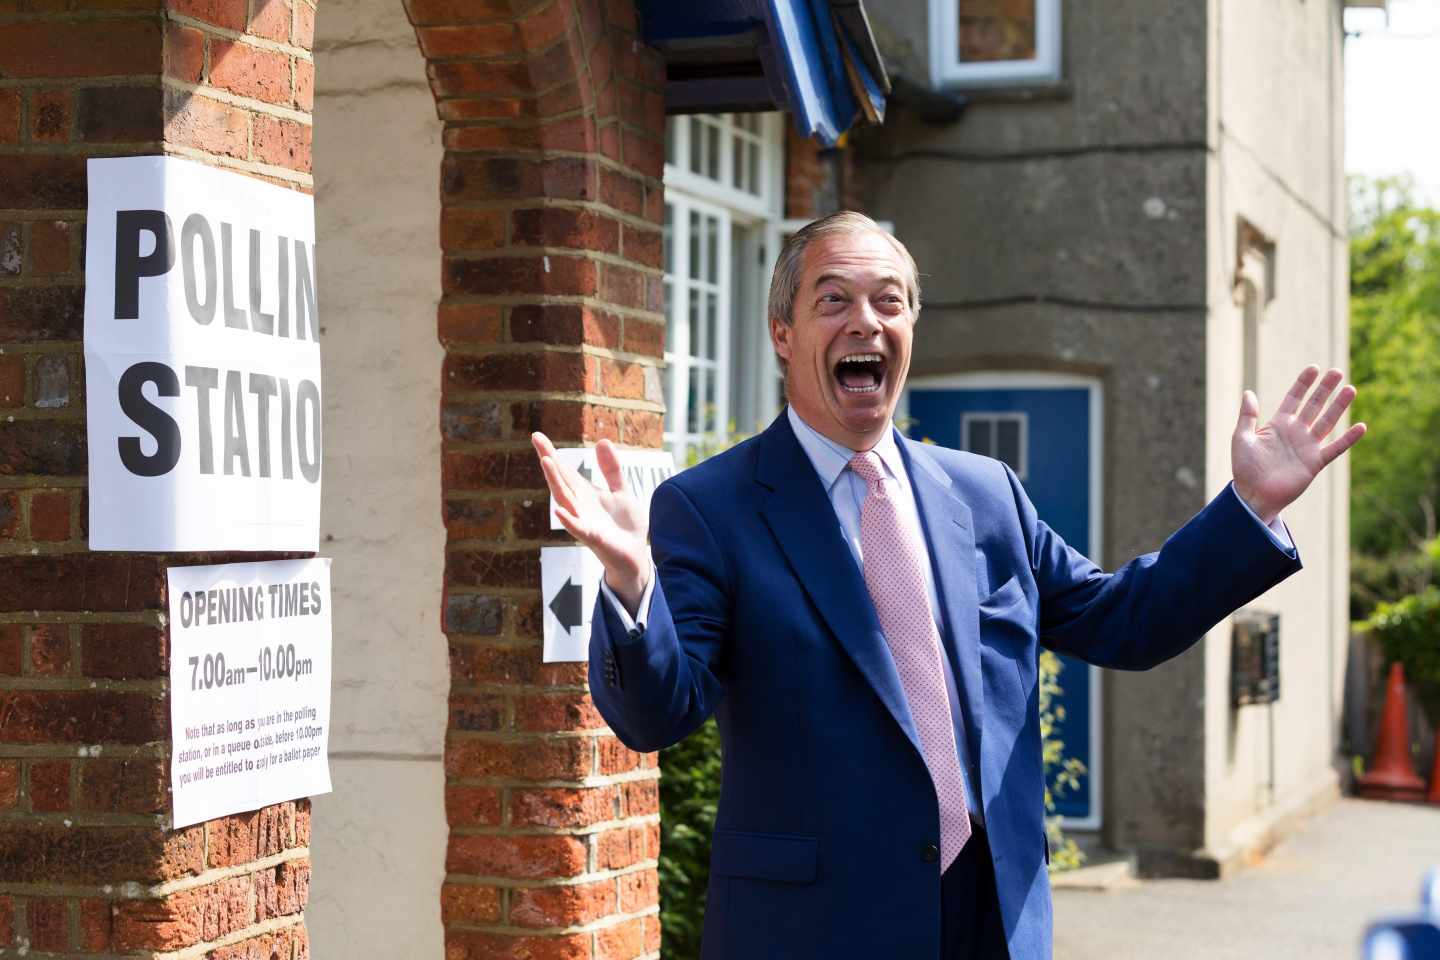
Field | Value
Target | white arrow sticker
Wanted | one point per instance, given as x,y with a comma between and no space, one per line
569,580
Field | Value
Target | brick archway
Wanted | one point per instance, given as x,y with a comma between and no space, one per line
551,319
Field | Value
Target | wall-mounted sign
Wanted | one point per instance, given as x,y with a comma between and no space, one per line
569,580
202,360
642,470
249,686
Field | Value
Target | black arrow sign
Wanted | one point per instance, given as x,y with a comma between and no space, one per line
566,605
584,471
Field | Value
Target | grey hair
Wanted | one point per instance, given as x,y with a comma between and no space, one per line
785,281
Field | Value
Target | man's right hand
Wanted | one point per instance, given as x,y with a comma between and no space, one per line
609,522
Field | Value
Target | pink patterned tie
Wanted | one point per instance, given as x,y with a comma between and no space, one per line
895,577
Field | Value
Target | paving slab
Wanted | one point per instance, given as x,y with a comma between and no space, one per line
1310,898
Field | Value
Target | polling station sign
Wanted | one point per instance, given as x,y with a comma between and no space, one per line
202,359
249,686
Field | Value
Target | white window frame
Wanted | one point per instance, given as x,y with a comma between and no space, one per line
948,71
686,190
995,418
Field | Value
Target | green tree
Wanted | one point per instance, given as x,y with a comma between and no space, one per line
1395,363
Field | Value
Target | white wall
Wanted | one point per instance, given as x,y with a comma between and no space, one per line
1276,143
379,840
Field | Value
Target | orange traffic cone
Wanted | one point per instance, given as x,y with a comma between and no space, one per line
1391,776
1434,795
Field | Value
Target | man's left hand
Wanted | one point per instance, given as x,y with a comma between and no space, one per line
1275,463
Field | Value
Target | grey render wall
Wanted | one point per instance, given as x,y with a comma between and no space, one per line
1067,231
379,839
1277,162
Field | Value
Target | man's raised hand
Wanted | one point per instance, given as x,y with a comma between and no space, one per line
1274,464
609,522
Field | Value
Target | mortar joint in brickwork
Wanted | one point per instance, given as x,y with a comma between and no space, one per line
594,927
216,874
237,936
539,830
248,39
293,177
547,883
234,100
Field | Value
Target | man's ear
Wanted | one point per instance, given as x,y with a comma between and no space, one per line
780,336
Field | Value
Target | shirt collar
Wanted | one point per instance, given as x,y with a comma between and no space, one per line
830,458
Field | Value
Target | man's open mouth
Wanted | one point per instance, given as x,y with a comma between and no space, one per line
861,373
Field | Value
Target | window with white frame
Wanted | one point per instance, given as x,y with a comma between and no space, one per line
723,201
994,43
999,435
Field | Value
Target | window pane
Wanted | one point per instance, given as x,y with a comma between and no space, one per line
712,412
754,152
696,375
694,321
697,142
977,437
712,152
712,323
671,125
737,162
996,30
712,249
695,239
1007,443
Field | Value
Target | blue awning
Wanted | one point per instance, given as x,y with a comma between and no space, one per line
816,59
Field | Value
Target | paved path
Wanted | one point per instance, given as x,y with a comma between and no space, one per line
1310,899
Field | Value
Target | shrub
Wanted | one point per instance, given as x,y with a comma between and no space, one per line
1409,634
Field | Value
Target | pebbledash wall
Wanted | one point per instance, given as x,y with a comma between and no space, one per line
494,244
87,863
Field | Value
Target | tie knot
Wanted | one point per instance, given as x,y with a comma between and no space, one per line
867,467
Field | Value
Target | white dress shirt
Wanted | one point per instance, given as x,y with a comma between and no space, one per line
847,492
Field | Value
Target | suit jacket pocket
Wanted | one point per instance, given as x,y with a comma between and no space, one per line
764,856
1010,594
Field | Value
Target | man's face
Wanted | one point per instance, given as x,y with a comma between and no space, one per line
848,347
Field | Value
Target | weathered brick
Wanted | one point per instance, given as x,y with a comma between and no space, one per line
464,229
95,925
466,178
476,712
475,520
10,111
282,890
42,853
50,246
519,665
49,923
50,515
472,422
424,12
469,323
50,115
71,716
50,650
477,41
52,312
556,712
639,890
567,758
195,121
516,857
49,785
184,918
229,14
283,143
12,388
540,370
640,428
473,613
40,180
642,246
565,227
81,582
566,421
562,806
494,568
552,275
184,53
12,637
59,48
576,134
119,114
620,848
622,941
271,20
250,71
232,840
123,651
615,757
469,903
136,785
51,381
466,806
9,787
624,193
475,945
305,85
304,36
641,798
562,906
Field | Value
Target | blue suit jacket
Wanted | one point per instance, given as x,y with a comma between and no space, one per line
761,616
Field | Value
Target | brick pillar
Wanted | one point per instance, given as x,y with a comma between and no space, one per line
87,862
551,318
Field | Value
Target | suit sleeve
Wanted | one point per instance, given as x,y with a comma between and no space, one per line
658,681
1159,604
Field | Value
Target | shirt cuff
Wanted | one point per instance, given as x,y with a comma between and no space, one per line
1279,533
643,610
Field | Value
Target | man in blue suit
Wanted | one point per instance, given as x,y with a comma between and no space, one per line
863,615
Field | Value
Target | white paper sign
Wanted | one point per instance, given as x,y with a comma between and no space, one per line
642,470
249,686
569,581
202,360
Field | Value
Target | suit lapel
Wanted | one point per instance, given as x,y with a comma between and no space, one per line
804,524
950,533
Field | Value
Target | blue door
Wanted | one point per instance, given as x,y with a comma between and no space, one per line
1041,427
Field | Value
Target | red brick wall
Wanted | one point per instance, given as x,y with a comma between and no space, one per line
818,181
551,320
88,863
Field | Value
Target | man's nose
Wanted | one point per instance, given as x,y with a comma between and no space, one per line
863,320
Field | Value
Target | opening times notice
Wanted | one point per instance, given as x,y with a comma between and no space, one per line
250,685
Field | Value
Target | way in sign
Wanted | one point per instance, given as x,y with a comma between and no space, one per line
569,582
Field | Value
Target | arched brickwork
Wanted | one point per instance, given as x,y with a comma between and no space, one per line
551,319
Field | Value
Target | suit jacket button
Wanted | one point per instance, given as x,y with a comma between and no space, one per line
929,853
